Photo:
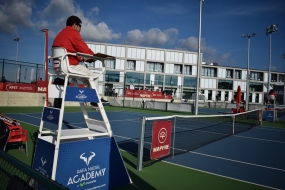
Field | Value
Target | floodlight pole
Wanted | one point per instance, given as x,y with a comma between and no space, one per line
198,60
269,30
17,40
283,57
248,36
46,55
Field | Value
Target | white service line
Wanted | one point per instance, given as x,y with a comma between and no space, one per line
237,161
220,175
30,116
258,139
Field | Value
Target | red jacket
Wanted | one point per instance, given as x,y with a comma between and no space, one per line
71,40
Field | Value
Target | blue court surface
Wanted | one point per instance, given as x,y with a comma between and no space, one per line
256,156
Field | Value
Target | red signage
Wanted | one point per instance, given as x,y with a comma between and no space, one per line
15,87
130,93
161,139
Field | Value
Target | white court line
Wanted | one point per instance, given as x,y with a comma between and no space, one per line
258,139
270,128
30,116
220,175
237,161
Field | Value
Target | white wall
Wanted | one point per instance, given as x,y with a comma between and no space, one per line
139,65
120,64
208,83
116,51
190,58
155,55
136,53
174,56
97,48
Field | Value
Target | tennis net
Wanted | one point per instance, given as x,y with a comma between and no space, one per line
188,133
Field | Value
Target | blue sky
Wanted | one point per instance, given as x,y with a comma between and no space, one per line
151,23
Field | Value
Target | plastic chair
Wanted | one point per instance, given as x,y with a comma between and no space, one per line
18,136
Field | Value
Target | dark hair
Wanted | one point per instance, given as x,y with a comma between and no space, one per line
73,20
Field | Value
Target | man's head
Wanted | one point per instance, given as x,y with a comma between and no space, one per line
74,22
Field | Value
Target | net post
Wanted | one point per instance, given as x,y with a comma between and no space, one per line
233,124
140,146
173,141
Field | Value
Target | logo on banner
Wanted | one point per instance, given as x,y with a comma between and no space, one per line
81,96
41,168
50,116
85,159
87,175
162,135
43,162
161,139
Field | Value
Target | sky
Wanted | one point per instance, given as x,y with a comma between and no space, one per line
165,24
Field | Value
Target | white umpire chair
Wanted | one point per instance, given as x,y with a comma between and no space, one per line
95,128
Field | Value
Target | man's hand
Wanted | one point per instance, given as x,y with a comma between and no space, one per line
89,60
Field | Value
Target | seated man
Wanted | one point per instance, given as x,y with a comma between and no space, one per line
70,39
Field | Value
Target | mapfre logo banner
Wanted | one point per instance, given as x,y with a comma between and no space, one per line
161,139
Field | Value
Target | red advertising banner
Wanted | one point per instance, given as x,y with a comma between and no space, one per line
15,87
161,139
130,93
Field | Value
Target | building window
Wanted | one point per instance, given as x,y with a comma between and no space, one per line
281,78
229,73
256,76
207,71
131,65
273,77
255,87
134,78
112,76
154,67
237,74
177,69
171,80
110,64
189,82
188,70
225,84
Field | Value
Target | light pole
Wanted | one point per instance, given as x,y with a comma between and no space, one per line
17,40
248,36
270,30
198,60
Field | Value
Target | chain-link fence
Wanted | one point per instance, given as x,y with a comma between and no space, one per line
21,72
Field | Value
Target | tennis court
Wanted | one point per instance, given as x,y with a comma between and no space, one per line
254,158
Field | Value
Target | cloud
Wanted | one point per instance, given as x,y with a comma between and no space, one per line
209,53
168,9
15,14
91,29
153,37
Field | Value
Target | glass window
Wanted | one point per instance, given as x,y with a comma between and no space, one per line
171,80
154,67
158,79
256,87
131,65
237,74
110,64
256,76
177,69
281,78
190,82
112,76
225,84
188,70
228,73
135,78
273,77
207,71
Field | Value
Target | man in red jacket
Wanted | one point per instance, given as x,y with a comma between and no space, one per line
70,39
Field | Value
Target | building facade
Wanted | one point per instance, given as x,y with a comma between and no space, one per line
174,72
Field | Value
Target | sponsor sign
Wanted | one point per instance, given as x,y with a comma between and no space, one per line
91,164
75,94
51,115
161,139
15,87
130,93
270,113
43,160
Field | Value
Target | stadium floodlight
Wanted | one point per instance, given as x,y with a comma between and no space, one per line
283,56
198,60
16,40
270,30
248,36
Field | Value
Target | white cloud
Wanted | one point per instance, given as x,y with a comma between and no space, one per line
153,36
62,9
15,14
209,53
